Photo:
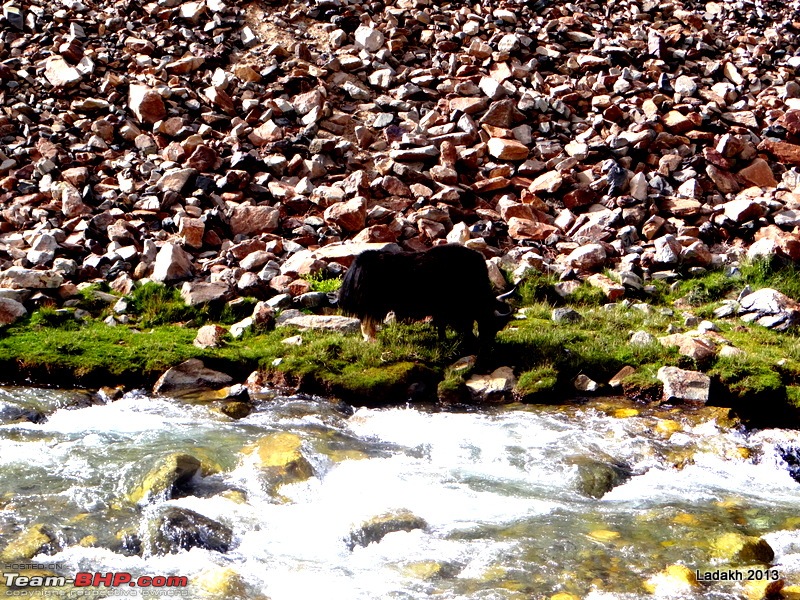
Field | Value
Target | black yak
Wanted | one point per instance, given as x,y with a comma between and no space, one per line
450,284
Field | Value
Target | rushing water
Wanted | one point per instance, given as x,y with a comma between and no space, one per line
500,490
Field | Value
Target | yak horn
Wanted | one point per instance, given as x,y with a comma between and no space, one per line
507,294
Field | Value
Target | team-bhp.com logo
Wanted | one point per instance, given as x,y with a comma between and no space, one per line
83,579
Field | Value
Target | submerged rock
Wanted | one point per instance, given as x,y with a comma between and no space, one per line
34,540
223,583
735,547
165,477
376,528
179,529
280,458
596,478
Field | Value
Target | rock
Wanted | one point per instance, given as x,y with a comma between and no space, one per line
783,151
221,583
70,198
11,311
504,149
547,182
596,478
759,173
172,264
566,315
165,478
642,338
735,547
59,73
375,529
583,383
280,458
525,229
20,278
622,374
369,38
689,387
210,336
695,348
146,104
676,580
175,180
177,529
324,322
198,293
685,86
350,215
248,220
590,257
190,377
741,211
610,288
494,387
34,540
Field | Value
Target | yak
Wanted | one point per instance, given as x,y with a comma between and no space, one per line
448,283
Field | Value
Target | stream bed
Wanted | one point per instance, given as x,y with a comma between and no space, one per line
596,500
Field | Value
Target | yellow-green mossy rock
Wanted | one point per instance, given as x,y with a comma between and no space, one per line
27,544
424,569
221,582
766,590
160,481
674,580
281,456
738,548
376,528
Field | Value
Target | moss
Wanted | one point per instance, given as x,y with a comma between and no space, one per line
793,396
745,377
452,390
389,384
539,383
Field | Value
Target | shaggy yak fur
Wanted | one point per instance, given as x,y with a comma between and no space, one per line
450,284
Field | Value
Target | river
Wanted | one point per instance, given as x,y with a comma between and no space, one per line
507,495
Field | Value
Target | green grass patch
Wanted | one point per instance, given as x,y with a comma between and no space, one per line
95,347
319,283
597,346
155,304
747,378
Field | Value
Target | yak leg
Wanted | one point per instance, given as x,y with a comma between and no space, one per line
368,329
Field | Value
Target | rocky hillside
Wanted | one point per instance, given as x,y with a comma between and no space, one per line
244,146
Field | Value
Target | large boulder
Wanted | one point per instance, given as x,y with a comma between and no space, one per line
375,529
690,387
172,264
164,478
21,278
10,311
177,529
189,377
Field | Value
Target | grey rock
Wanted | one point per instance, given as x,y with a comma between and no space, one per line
684,386
566,315
190,377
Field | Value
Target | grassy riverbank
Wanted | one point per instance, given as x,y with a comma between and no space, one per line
52,346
